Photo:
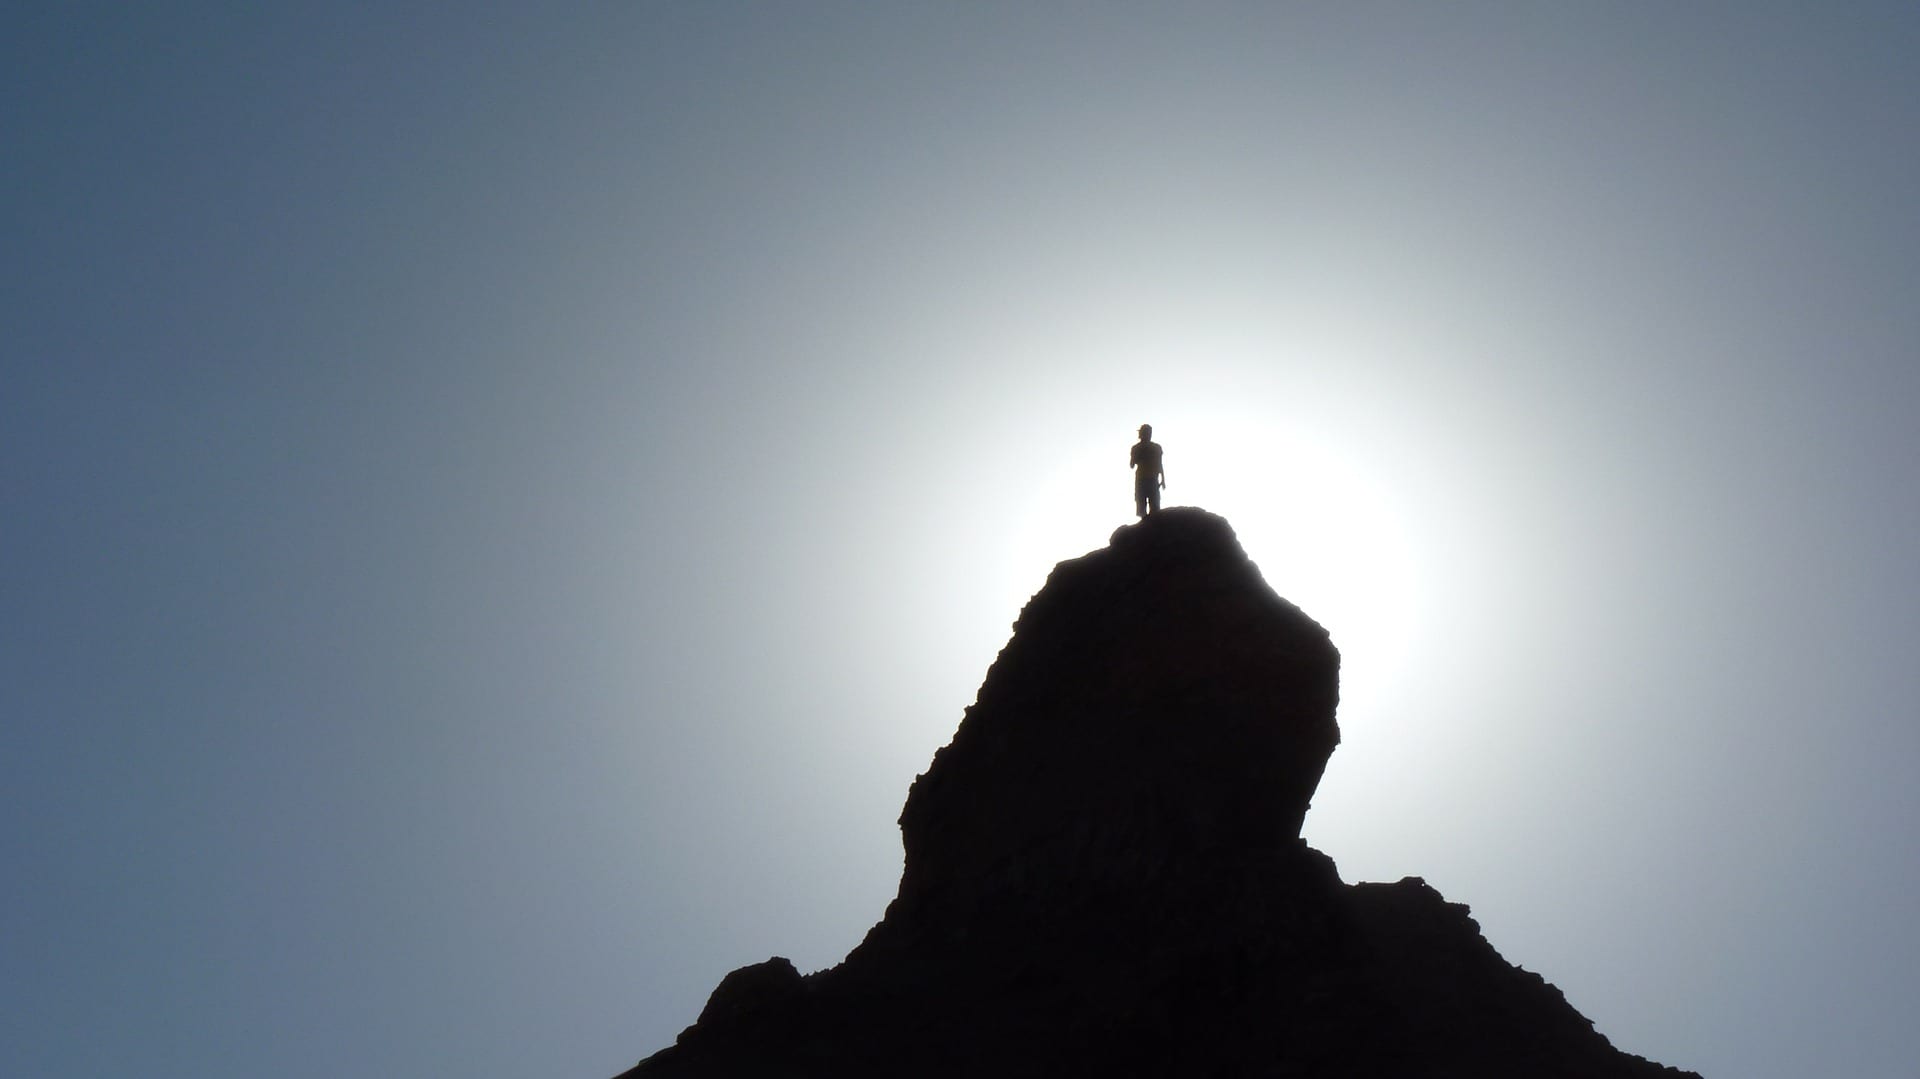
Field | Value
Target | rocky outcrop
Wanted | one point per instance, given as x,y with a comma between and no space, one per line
1104,874
1157,699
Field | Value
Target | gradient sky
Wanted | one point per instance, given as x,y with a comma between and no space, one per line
500,503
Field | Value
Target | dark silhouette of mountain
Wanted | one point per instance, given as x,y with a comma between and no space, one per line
1104,874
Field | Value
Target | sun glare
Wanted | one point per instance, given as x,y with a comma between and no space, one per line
1327,539
1324,532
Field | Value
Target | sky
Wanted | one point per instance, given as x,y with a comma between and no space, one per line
498,504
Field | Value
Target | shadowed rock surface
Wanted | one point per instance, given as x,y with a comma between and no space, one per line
1104,874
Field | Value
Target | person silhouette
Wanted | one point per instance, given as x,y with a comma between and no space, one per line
1149,477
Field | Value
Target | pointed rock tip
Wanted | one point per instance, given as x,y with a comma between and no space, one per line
1176,524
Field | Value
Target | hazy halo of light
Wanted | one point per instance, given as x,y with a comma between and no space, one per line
558,480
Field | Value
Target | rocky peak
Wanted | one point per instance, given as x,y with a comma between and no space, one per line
1104,876
1156,699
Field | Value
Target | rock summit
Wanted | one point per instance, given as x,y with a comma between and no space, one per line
1104,874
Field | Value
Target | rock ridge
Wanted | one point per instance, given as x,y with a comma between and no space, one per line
1104,873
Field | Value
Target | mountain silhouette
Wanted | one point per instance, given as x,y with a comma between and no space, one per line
1104,874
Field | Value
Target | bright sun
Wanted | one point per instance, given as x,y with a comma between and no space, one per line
1326,537
1324,532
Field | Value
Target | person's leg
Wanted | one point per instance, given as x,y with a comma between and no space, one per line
1153,498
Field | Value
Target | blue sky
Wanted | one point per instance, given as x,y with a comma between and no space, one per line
499,505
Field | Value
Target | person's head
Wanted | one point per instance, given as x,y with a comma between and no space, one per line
1146,431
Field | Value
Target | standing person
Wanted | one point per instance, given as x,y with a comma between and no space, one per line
1149,478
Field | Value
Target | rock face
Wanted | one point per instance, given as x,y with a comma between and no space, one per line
1104,876
1156,700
